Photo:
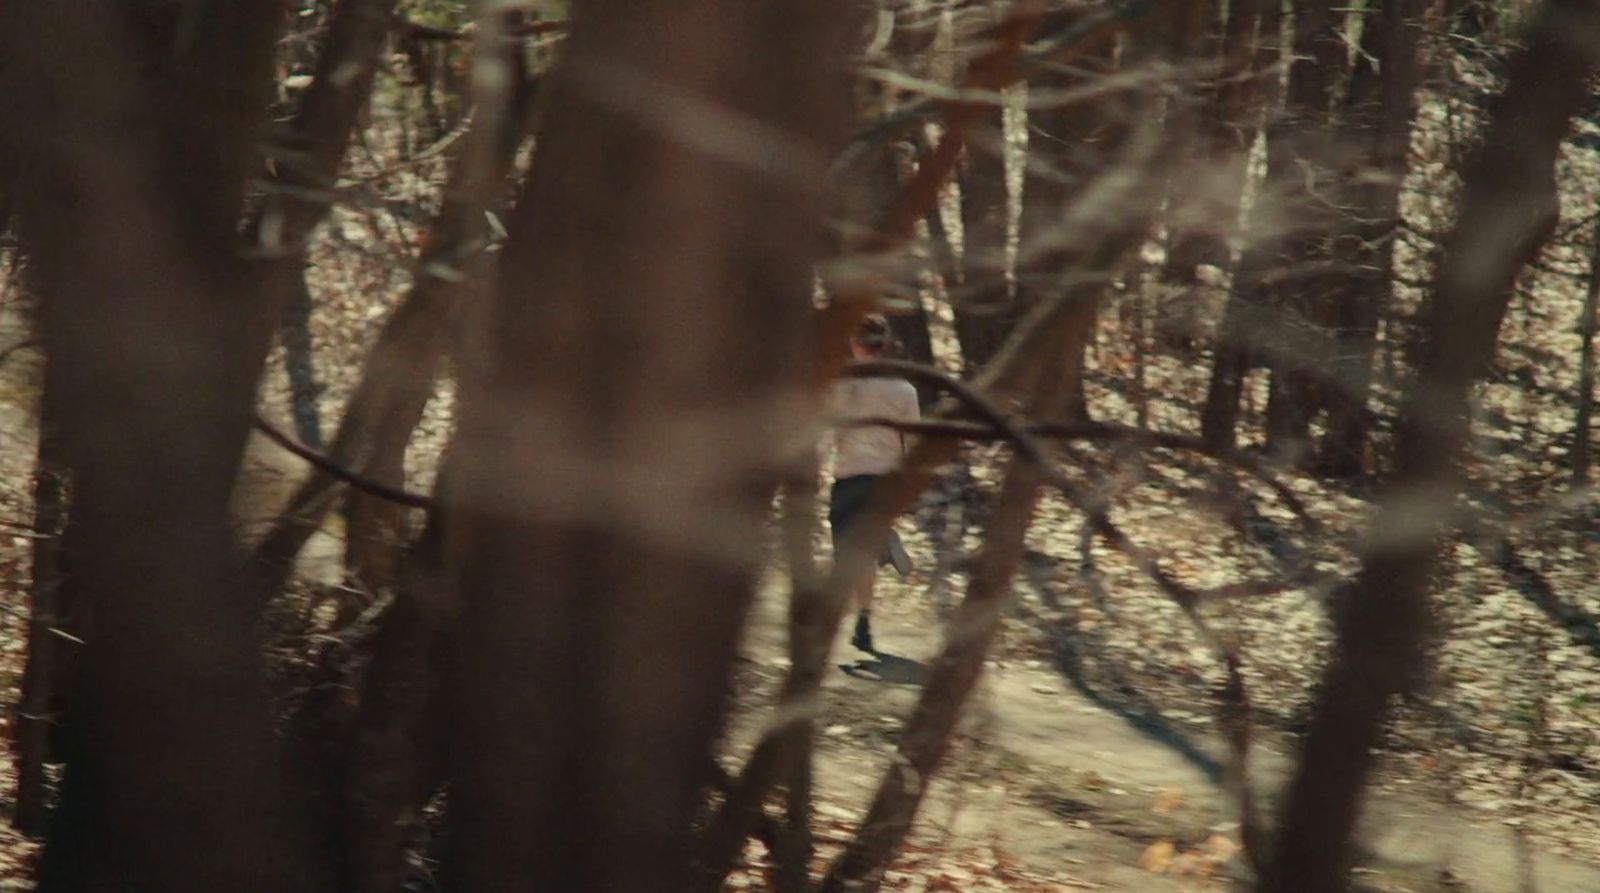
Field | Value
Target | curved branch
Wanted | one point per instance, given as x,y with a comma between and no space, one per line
1101,431
326,465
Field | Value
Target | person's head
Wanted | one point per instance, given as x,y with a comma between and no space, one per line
871,338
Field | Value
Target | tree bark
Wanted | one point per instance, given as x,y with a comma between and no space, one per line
1378,121
1508,207
377,528
909,45
133,164
616,464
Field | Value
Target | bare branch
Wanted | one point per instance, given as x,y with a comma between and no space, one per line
328,466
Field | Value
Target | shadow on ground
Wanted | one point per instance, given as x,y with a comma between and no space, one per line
887,668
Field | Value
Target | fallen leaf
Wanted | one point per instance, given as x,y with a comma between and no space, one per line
1157,857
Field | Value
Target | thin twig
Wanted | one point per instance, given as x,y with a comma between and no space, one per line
61,633
328,466
1099,431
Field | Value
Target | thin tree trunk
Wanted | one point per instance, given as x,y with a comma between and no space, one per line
1070,149
1251,332
724,838
982,305
1204,213
1508,208
376,528
794,855
1300,350
36,720
982,302
955,672
950,682
908,48
1056,383
156,336
1587,326
305,161
299,363
1381,110
397,380
592,421
397,748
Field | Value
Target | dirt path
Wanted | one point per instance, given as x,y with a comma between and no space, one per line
1062,785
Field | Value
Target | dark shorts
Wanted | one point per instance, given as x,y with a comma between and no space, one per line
849,499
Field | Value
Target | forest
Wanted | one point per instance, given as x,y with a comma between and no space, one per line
430,430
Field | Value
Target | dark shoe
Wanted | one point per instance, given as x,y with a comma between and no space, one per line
862,640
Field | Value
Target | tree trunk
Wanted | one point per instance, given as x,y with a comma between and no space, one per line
1268,314
1508,208
1379,116
982,302
377,528
1070,150
1300,350
1204,214
398,378
299,363
38,716
908,48
794,855
955,672
950,682
305,160
617,465
1051,376
1586,326
397,749
156,335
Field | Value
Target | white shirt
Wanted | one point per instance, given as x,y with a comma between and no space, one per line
871,449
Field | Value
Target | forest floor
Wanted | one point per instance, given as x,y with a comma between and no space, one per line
1049,790
1089,757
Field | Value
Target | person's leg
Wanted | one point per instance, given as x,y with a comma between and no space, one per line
849,497
863,635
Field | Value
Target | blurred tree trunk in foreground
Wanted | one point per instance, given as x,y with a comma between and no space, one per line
1379,114
132,164
620,432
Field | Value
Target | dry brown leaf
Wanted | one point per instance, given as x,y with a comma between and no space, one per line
1157,858
1221,848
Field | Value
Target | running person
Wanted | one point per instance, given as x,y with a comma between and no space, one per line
864,454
